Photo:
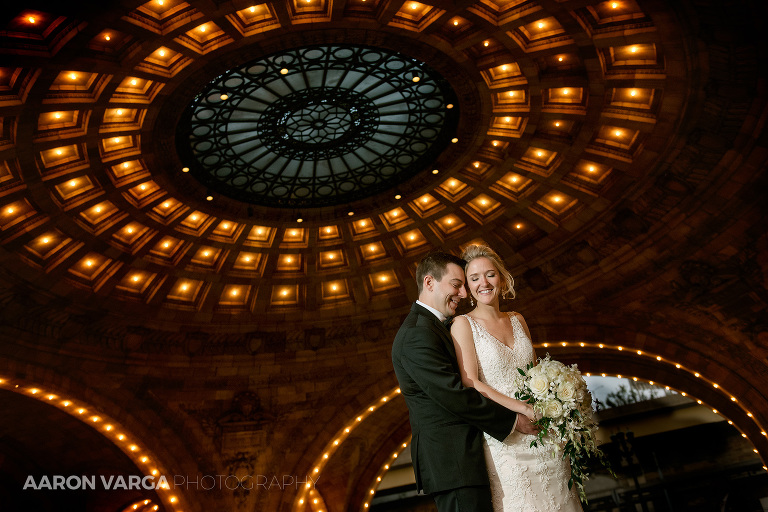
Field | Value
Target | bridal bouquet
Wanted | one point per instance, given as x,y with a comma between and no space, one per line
559,394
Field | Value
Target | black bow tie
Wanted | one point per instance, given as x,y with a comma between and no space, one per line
447,323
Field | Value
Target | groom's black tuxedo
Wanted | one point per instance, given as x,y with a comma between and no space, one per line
447,418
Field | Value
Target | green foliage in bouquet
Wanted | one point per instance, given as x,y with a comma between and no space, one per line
559,395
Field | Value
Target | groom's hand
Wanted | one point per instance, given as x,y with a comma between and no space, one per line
525,426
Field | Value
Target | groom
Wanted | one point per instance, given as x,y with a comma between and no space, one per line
447,418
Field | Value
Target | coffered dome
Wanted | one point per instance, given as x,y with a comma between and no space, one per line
250,161
211,213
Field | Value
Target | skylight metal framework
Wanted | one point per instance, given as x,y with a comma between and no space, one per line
317,126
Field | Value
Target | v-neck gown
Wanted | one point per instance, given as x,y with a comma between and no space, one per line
522,478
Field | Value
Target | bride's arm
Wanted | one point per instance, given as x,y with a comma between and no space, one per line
467,357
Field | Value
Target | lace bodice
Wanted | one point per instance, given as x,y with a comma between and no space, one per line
497,363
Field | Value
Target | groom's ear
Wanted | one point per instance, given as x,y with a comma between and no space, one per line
429,282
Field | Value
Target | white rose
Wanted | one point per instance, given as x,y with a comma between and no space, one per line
553,369
571,377
552,409
566,391
539,385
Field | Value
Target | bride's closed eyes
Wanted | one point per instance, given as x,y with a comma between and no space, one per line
487,275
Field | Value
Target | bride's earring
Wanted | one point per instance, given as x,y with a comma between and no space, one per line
471,301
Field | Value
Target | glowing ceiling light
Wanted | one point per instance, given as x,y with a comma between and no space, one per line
541,24
31,19
134,82
106,37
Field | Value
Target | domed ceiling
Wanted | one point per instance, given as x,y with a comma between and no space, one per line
200,199
247,161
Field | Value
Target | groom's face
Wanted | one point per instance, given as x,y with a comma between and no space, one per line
449,290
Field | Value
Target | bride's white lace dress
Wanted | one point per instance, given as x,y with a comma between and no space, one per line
522,478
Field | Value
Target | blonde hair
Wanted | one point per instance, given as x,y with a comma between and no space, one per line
483,251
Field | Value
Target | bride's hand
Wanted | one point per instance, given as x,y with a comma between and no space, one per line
530,413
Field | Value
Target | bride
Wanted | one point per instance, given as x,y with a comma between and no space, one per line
490,346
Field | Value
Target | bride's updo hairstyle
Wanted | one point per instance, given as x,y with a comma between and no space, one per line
483,251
